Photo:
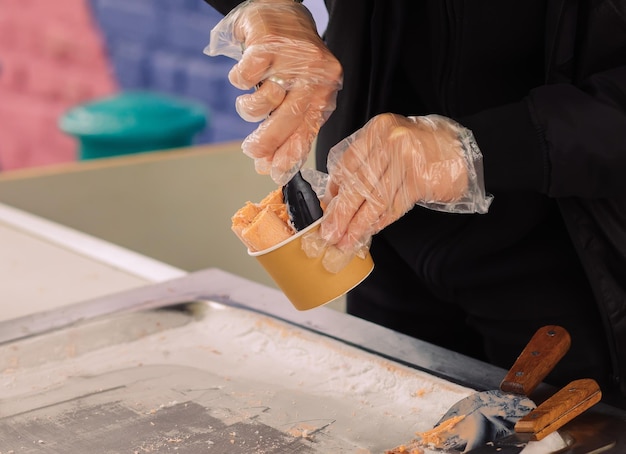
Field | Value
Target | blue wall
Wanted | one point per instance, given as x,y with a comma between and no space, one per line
157,45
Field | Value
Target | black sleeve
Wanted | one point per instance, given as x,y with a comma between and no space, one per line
514,158
585,135
562,140
568,137
223,6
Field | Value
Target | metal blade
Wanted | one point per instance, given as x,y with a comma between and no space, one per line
551,415
488,415
512,444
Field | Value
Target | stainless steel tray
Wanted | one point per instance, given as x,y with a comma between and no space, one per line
215,363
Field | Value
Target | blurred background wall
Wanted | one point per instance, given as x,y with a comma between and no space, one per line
58,54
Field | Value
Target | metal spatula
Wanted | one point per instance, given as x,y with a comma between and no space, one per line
551,415
492,414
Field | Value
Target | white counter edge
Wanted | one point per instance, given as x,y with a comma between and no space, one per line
115,256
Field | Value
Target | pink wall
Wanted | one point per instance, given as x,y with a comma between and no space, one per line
52,57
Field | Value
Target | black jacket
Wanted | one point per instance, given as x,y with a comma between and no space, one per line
595,65
565,137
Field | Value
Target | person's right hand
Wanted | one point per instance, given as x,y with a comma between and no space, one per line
383,170
297,78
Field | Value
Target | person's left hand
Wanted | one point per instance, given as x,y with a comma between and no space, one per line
380,172
281,53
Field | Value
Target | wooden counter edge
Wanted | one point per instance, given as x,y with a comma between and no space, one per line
120,160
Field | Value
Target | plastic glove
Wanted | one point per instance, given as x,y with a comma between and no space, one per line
380,172
296,75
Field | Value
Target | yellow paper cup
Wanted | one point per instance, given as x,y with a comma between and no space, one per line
304,280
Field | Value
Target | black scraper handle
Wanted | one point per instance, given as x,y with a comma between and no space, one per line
303,205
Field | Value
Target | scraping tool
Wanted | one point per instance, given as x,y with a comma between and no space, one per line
554,413
302,202
490,415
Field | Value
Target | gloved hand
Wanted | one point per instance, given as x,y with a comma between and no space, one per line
296,75
380,172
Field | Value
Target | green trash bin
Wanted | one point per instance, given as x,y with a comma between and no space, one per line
133,122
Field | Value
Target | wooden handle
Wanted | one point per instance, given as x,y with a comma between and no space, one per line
544,350
562,407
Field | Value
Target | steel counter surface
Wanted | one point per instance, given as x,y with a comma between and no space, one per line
213,363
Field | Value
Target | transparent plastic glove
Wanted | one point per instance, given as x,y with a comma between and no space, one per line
296,75
387,167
